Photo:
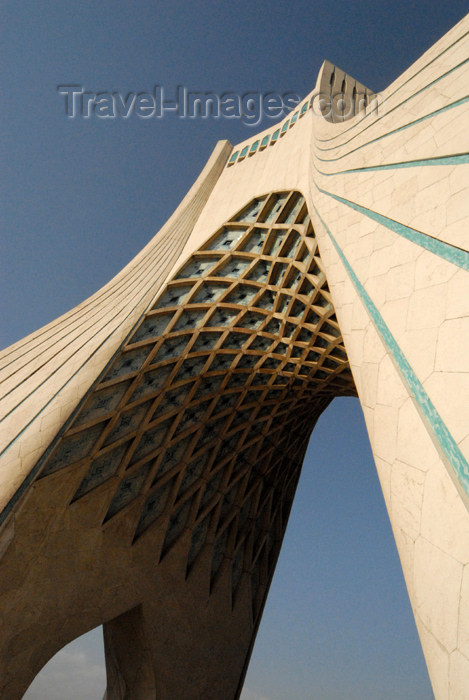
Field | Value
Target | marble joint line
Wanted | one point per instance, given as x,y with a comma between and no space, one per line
401,104
444,439
453,254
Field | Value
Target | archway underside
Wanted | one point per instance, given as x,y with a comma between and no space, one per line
187,451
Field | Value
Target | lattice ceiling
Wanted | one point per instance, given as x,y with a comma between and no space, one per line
205,413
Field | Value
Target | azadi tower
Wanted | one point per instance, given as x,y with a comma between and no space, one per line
152,437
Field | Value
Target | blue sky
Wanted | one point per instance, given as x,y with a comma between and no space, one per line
81,197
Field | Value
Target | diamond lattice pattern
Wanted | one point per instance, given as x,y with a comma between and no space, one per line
205,413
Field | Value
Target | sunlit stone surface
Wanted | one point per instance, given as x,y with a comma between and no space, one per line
152,438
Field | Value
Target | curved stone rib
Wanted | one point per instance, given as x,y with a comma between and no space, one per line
46,374
190,443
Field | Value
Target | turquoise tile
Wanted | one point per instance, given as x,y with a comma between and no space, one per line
275,136
435,423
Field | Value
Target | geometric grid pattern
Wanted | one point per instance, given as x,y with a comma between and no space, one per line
203,416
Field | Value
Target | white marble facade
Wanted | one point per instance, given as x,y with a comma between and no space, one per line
387,191
389,197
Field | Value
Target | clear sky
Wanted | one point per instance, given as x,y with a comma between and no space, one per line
81,196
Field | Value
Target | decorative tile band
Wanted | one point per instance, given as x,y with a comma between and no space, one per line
390,111
457,159
457,103
331,138
443,436
272,138
454,255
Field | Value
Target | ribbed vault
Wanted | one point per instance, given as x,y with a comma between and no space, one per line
161,505
204,415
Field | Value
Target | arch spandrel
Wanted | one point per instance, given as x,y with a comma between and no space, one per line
187,450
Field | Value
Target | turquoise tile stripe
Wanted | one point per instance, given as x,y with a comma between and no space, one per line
279,132
414,75
305,106
454,255
456,159
452,105
446,441
407,99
